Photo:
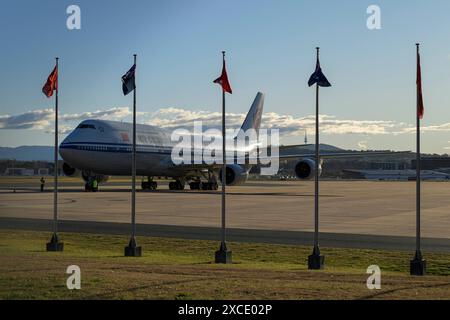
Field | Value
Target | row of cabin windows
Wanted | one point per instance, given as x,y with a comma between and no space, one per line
93,148
102,148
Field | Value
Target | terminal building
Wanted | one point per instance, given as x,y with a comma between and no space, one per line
19,172
394,174
432,163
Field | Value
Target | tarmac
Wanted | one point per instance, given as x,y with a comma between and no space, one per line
378,214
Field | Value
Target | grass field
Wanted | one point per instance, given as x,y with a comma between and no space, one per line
183,269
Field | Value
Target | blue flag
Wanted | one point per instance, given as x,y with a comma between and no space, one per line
128,83
318,77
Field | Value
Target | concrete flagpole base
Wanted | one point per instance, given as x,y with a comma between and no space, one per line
316,261
132,250
223,255
55,245
418,265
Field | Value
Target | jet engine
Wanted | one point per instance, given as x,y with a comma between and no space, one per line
87,176
234,175
306,169
69,171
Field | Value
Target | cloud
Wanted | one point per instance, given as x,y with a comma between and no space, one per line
176,118
37,119
109,114
445,127
171,118
288,125
362,145
42,119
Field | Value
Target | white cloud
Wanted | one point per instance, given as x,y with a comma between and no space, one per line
109,114
42,119
36,119
445,127
288,125
363,145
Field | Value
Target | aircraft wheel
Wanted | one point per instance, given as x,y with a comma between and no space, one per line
180,185
196,185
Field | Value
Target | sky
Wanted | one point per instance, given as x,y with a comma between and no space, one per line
270,48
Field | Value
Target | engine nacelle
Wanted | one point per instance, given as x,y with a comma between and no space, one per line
306,169
74,172
69,171
234,175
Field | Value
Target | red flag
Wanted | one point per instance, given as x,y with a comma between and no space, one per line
51,84
420,108
223,80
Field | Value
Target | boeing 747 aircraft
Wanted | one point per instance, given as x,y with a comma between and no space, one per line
97,149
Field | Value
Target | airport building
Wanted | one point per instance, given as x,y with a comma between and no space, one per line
432,163
19,172
394,175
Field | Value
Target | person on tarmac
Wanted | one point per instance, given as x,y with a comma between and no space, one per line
42,184
94,185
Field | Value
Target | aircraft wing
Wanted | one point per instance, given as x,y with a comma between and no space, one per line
299,155
343,154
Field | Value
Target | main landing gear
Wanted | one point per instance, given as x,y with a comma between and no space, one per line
198,185
176,185
149,185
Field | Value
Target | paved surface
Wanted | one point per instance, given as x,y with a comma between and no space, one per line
350,207
338,240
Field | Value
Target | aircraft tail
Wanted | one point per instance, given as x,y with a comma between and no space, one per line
253,118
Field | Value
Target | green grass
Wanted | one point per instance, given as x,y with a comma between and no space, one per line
183,269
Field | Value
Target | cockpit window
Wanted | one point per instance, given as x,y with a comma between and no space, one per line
86,126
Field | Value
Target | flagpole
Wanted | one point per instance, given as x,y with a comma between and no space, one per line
316,261
133,250
54,244
223,255
418,167
224,168
55,189
133,197
418,264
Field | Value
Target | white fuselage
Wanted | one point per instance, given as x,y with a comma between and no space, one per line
105,147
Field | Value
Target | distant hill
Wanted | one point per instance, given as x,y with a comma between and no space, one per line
27,153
